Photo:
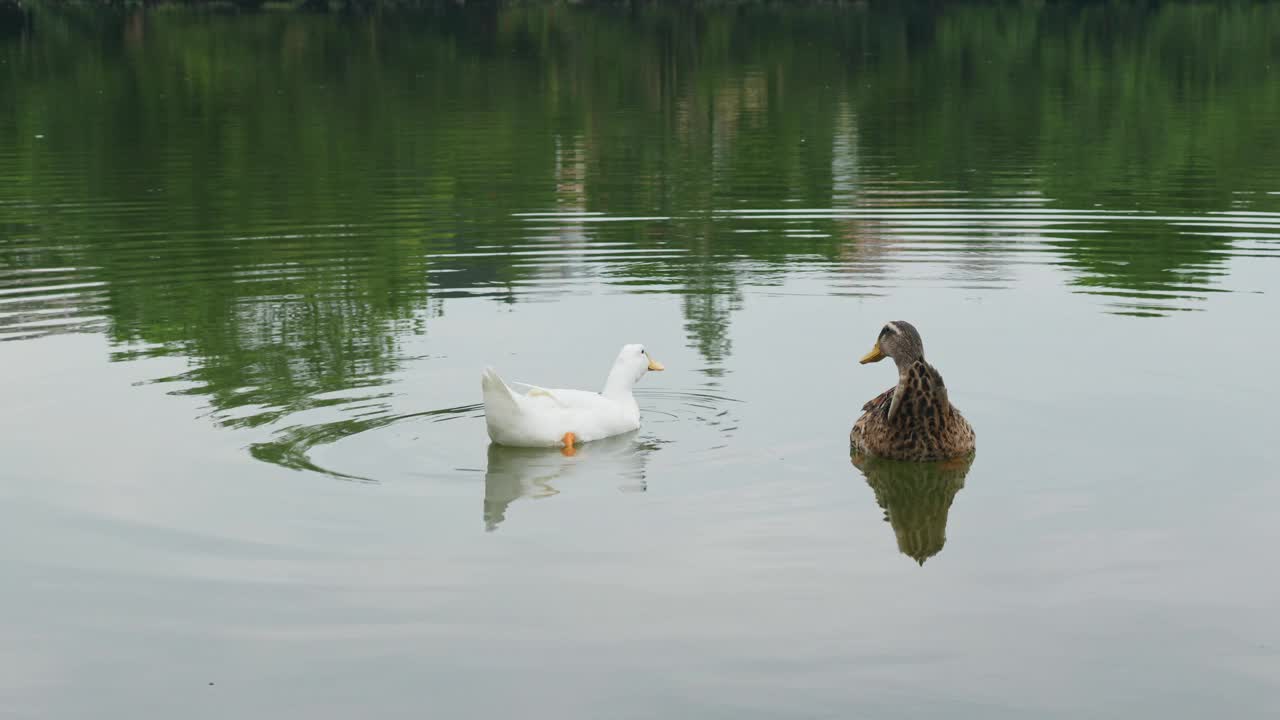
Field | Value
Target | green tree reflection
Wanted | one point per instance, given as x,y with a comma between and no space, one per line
282,197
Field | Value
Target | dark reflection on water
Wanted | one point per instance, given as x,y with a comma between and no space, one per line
283,200
292,446
916,498
515,473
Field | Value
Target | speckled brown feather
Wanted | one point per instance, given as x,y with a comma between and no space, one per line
927,426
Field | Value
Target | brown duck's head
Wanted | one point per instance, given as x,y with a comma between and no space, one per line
899,340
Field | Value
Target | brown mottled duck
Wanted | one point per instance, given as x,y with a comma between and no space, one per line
913,420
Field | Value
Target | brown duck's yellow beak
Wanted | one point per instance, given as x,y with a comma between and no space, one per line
873,356
655,365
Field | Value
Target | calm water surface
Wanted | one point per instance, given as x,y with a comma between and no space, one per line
251,267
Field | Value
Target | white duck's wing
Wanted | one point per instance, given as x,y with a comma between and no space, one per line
538,394
563,398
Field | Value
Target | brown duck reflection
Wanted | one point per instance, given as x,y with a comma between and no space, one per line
916,498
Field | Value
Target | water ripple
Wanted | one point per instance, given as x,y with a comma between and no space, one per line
1112,255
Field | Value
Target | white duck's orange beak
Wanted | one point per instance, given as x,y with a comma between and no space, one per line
655,365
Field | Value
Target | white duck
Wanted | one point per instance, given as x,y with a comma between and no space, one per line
538,417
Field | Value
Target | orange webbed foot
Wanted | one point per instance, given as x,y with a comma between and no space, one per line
569,439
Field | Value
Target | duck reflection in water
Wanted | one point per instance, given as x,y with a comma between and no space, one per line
916,498
514,472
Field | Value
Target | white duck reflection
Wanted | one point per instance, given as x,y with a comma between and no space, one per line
514,473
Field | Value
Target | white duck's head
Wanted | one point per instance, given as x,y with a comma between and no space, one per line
632,363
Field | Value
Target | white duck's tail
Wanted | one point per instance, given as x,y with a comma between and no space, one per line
499,402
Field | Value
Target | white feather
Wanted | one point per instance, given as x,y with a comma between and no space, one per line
533,416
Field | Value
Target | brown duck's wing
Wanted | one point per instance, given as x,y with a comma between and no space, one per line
880,401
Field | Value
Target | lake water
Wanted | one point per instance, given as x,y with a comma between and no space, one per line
251,267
